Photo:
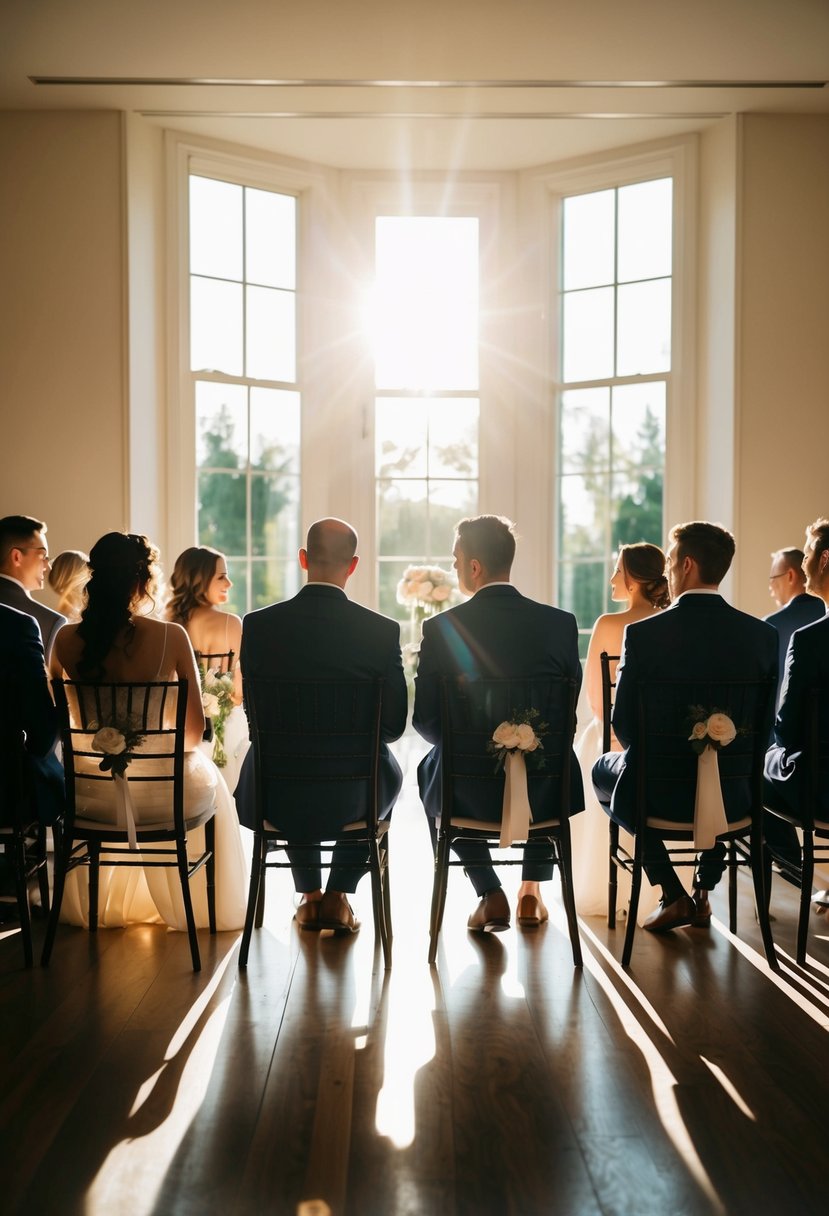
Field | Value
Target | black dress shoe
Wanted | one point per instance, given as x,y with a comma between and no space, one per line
491,914
671,916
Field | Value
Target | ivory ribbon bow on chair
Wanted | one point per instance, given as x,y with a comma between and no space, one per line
126,809
515,813
707,737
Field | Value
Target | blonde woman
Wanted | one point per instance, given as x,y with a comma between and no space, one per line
68,578
199,589
638,582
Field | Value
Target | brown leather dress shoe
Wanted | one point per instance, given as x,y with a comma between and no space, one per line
335,913
307,915
671,916
702,909
531,912
491,914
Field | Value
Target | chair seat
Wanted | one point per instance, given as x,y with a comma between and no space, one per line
162,827
736,828
359,825
493,827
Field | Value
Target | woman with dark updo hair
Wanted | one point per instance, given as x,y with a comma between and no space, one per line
638,582
117,641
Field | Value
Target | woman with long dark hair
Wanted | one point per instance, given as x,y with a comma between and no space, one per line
638,582
117,641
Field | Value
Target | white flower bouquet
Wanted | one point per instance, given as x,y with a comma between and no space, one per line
217,702
713,729
520,733
429,587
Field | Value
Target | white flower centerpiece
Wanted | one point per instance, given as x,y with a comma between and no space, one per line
217,702
711,731
425,591
512,741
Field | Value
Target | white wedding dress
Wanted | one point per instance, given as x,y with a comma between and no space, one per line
134,894
589,841
236,744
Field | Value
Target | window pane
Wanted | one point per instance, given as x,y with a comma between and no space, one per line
645,230
585,429
425,307
274,516
644,337
401,518
215,326
400,437
583,516
273,580
222,511
637,507
588,240
237,601
449,501
221,425
389,575
453,437
215,228
270,347
588,334
639,425
270,238
582,589
274,429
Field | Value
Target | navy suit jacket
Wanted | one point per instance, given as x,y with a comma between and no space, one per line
497,634
26,707
49,621
807,667
700,637
801,610
322,635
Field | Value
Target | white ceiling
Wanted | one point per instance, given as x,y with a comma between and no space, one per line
420,84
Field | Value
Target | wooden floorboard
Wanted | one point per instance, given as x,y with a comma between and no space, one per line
502,1082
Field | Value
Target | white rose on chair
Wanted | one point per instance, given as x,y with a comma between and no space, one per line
117,743
714,729
521,733
109,740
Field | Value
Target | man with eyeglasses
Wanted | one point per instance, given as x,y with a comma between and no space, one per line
24,564
796,607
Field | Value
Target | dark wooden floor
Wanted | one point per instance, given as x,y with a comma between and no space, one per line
502,1082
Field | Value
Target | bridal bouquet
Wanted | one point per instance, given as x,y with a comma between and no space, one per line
428,587
118,743
520,733
217,702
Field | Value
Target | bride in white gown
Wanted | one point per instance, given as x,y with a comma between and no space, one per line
639,582
114,643
199,587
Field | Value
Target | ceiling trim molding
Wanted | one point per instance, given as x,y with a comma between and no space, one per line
461,115
330,83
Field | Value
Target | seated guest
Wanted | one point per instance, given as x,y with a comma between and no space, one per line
26,709
321,635
498,633
796,607
807,668
68,578
24,564
700,637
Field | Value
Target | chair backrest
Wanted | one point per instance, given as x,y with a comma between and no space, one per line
17,806
314,742
472,781
608,689
219,661
666,763
150,717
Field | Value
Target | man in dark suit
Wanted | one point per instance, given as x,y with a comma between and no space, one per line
807,668
699,637
321,635
24,564
497,633
796,607
27,719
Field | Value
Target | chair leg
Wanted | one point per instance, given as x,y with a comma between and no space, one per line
94,853
807,874
260,903
63,852
210,871
42,868
257,879
613,875
732,886
761,874
377,902
565,865
384,873
22,892
184,876
633,907
438,894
